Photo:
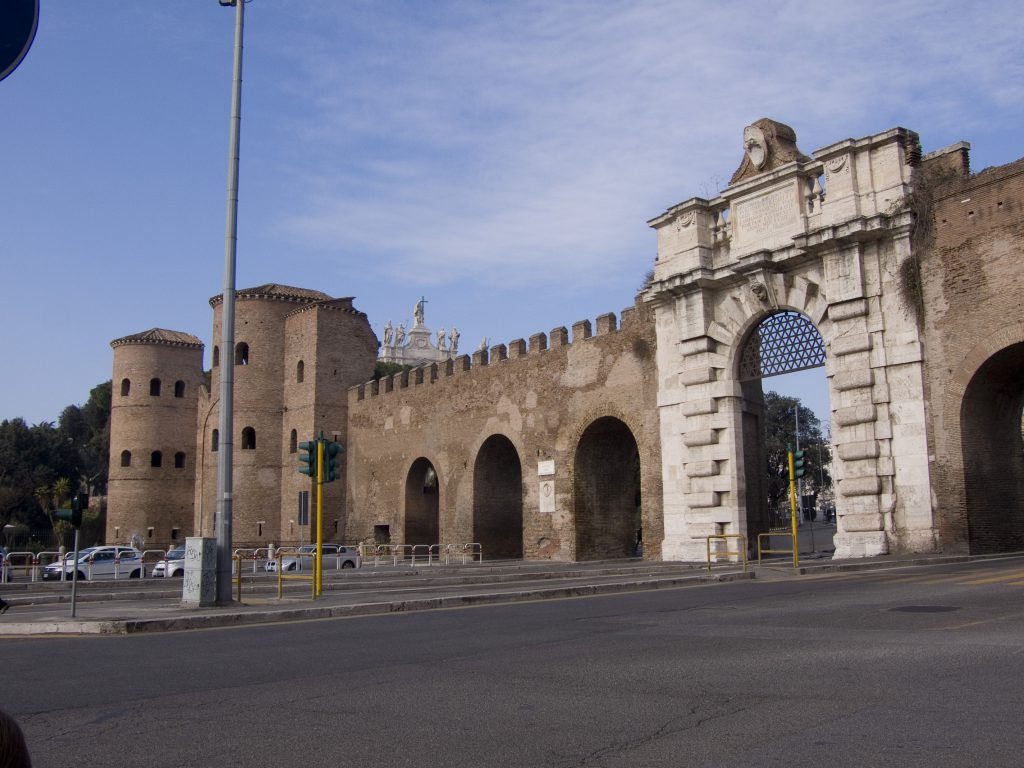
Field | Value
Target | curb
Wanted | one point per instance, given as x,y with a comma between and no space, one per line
244,618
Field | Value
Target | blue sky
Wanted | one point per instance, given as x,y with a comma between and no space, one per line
500,159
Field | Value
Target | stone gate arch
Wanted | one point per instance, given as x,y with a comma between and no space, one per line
829,236
498,499
606,491
422,503
777,343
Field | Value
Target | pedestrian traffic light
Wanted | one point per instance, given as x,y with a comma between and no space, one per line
73,516
332,452
307,458
799,463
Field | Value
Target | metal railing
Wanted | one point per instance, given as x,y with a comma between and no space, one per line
740,553
762,550
162,557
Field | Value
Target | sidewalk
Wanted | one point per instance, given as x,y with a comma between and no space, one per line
148,607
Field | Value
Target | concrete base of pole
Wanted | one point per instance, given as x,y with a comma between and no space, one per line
199,587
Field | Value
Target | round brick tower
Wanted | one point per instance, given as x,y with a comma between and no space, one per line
296,353
155,391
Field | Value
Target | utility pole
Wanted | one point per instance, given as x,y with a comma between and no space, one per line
227,345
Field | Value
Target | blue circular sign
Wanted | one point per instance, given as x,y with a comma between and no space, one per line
18,22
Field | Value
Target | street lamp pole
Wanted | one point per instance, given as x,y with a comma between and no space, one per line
227,372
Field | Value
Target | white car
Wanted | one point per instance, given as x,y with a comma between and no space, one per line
98,562
334,556
172,565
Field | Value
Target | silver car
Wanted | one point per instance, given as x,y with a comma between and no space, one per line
334,556
98,562
173,564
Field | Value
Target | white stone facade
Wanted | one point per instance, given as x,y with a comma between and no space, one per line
826,236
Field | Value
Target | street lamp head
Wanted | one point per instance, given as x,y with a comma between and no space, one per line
227,2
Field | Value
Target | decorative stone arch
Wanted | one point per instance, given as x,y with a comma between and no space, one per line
605,476
421,502
812,234
497,483
981,423
749,369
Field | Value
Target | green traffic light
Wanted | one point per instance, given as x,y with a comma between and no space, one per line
307,458
799,463
331,452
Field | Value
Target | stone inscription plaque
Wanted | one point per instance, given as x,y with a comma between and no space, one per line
766,214
547,496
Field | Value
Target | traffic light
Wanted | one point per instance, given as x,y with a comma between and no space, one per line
307,458
79,502
332,451
799,463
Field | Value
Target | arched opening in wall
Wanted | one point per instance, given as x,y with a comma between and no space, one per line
293,442
300,372
422,507
179,388
241,353
214,441
991,424
785,414
156,459
126,458
498,499
126,387
606,492
216,356
248,439
154,387
179,460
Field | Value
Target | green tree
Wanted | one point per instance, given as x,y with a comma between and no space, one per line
87,428
383,370
780,432
30,458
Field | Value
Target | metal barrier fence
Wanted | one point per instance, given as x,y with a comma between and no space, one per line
725,537
420,554
161,556
762,550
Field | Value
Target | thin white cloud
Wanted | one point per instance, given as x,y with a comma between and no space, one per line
490,144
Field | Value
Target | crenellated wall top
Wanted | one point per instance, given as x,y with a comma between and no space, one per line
519,349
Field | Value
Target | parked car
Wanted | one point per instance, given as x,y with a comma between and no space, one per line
98,562
172,565
334,556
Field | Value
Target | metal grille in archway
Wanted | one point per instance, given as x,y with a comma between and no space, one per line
782,343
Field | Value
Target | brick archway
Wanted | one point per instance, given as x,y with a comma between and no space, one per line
606,491
498,499
993,453
422,505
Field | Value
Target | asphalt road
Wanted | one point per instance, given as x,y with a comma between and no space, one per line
913,667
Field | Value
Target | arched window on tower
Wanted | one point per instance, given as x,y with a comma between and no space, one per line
126,458
300,372
156,459
216,356
154,387
293,442
179,460
241,353
126,387
215,441
248,439
179,388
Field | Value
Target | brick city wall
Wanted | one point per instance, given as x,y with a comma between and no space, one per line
972,286
529,407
